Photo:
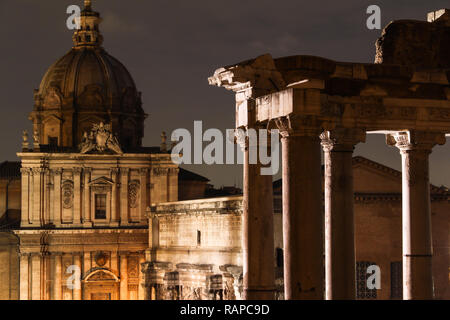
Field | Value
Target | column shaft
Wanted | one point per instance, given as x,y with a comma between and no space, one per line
339,226
257,232
415,148
340,277
302,217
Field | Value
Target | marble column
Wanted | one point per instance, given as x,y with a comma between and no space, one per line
257,224
340,261
302,209
415,148
24,276
57,284
87,220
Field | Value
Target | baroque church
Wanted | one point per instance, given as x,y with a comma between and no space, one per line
90,214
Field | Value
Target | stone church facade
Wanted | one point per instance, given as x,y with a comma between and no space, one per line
85,182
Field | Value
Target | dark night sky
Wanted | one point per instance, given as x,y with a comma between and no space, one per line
171,47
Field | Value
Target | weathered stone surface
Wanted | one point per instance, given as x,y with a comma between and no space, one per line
417,43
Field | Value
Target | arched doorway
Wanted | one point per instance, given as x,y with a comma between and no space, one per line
101,284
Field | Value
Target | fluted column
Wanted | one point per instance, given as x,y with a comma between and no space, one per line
257,225
415,148
302,209
340,262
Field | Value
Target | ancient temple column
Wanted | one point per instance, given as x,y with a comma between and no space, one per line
302,209
123,276
415,148
24,276
57,284
257,225
340,262
87,221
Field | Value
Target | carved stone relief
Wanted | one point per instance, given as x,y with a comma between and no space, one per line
67,194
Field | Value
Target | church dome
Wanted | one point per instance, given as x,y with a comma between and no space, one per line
85,87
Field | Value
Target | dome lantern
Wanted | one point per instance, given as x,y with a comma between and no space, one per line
88,33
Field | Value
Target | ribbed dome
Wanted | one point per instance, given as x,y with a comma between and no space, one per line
85,87
86,73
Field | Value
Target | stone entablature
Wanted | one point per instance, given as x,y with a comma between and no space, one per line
352,95
60,189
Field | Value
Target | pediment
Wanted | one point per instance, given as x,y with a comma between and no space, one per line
101,181
372,177
100,275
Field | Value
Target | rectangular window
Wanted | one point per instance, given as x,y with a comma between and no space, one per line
100,206
362,290
396,280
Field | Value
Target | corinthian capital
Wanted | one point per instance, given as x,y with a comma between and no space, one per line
342,139
298,126
415,140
